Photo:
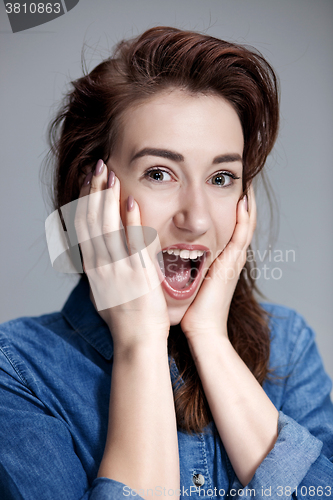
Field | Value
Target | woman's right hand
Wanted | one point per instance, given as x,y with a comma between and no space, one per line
115,272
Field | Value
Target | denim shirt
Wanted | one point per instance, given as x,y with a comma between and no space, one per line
55,374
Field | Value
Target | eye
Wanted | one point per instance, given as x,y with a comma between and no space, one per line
223,179
158,175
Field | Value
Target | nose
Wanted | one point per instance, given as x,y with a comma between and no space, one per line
193,211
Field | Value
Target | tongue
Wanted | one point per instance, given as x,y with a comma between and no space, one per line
177,271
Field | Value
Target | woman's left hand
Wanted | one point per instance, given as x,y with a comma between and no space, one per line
208,313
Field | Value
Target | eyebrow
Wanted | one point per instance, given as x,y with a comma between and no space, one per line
177,157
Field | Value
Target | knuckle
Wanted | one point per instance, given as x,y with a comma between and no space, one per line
79,225
91,218
101,262
106,228
99,272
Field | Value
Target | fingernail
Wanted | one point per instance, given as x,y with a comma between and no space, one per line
88,179
130,203
111,179
245,202
99,168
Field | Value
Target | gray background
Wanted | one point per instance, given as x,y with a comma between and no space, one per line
294,35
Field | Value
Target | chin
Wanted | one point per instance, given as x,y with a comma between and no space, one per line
176,314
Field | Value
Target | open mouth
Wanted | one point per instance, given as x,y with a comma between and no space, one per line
182,270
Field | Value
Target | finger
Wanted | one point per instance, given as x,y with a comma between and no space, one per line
95,200
94,216
252,209
143,245
239,237
134,231
235,251
80,224
112,227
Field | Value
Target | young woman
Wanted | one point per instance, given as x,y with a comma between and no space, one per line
192,388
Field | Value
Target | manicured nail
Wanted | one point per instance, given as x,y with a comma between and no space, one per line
99,168
245,202
88,179
130,203
111,179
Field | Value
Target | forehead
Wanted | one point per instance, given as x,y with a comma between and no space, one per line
178,119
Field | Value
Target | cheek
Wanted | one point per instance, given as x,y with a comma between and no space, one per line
225,222
153,211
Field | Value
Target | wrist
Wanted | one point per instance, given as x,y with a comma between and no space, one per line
208,343
203,333
150,345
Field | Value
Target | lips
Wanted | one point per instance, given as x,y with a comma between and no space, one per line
183,266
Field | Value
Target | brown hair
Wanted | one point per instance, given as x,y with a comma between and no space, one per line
88,125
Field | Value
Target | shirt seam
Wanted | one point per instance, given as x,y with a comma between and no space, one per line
288,365
203,448
15,368
299,356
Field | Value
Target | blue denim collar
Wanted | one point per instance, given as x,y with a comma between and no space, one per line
81,314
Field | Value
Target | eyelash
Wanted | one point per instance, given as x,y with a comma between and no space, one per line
155,169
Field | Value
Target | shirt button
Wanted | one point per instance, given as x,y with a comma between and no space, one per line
198,480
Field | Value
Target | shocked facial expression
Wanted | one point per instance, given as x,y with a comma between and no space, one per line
180,157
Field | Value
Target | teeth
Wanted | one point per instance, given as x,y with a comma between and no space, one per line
194,254
185,254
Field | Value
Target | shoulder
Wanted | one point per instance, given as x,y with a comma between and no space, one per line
27,327
24,338
289,331
298,380
285,321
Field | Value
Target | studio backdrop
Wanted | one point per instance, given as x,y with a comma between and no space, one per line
39,56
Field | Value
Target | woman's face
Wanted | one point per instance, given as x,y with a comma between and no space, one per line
177,157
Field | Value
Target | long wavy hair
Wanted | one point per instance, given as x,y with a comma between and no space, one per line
89,122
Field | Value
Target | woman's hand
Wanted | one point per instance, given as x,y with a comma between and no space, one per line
209,311
246,419
142,419
127,295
